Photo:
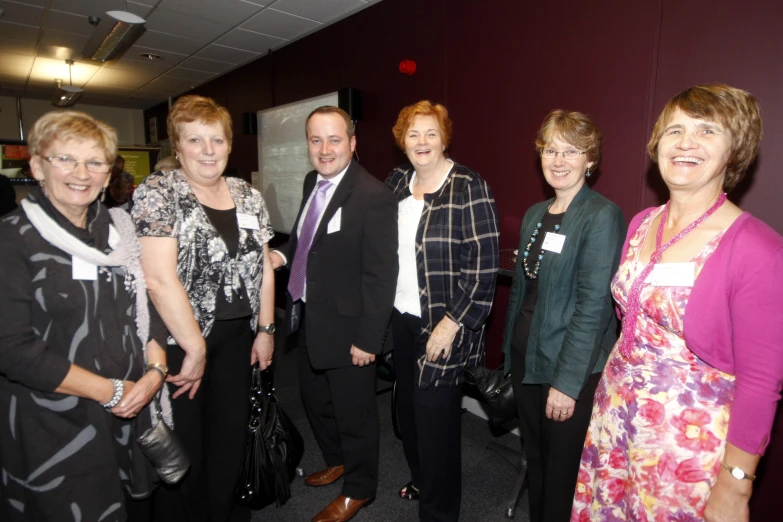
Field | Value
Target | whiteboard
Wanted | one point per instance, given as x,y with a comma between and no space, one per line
283,161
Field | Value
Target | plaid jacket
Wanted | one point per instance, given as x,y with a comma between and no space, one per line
457,259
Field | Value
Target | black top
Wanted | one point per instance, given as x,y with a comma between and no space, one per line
225,222
7,196
525,317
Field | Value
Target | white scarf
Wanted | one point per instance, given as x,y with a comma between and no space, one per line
126,253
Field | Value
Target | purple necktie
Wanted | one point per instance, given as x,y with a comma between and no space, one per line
296,282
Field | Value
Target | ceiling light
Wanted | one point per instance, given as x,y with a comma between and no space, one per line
113,35
66,95
150,56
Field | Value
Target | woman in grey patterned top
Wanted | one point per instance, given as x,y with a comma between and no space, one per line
204,240
72,356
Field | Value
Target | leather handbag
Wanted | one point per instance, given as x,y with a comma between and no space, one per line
164,450
496,390
273,450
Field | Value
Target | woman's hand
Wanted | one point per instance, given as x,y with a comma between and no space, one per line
189,376
138,394
439,343
728,500
559,406
263,348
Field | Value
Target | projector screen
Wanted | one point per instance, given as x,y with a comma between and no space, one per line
282,158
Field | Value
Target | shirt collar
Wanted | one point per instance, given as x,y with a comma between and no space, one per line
337,179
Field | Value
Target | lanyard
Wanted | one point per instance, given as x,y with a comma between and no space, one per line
634,296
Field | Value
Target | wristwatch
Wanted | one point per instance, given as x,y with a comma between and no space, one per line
158,367
738,473
270,329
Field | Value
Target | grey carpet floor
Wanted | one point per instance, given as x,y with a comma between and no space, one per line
487,477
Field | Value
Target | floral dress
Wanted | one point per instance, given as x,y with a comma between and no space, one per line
660,416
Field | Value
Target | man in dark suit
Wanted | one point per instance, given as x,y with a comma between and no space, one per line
342,254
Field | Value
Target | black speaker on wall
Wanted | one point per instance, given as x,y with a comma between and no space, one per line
350,100
249,123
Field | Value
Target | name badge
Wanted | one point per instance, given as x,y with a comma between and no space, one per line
334,223
248,221
673,274
82,270
553,242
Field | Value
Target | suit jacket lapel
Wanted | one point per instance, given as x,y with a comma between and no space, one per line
341,193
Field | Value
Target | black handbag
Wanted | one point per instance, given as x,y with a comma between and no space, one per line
164,450
273,450
496,390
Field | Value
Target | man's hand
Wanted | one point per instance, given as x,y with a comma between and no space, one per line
263,348
441,338
360,357
189,377
276,259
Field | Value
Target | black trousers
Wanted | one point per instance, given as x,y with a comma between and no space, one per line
430,422
343,412
212,427
554,449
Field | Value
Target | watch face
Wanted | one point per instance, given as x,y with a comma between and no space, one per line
737,473
270,329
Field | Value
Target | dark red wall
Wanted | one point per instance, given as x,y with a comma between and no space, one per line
501,66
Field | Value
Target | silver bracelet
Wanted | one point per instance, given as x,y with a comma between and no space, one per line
119,391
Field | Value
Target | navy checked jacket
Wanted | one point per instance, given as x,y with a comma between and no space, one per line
457,259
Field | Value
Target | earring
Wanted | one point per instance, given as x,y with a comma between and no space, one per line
587,174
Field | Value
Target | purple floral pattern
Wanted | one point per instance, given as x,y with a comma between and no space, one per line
660,416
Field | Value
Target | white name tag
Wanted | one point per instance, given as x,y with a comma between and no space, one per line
553,242
248,221
334,223
673,274
82,270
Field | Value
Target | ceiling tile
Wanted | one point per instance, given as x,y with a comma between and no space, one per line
168,85
222,53
122,79
98,7
26,14
68,23
200,64
145,67
24,33
46,70
250,41
15,65
185,25
56,44
190,74
319,10
231,12
167,42
282,25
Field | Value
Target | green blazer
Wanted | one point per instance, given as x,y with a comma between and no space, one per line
574,326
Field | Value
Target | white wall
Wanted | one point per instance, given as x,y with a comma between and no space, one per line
129,123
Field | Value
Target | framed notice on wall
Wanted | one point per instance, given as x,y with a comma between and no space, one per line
153,123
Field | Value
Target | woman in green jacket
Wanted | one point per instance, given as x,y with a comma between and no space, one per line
561,324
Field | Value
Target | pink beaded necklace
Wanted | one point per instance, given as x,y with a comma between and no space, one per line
634,296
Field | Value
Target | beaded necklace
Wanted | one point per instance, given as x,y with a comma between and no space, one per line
533,274
634,296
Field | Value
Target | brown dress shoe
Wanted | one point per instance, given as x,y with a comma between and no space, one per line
341,509
325,476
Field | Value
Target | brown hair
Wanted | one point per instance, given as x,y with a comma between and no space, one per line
192,107
422,108
574,127
71,125
735,109
331,109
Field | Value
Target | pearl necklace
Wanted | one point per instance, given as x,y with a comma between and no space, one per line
534,273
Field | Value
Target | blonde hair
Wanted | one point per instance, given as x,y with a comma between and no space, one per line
71,125
573,127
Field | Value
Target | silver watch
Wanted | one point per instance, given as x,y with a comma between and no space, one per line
270,329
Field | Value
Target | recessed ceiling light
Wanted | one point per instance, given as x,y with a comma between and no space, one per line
150,56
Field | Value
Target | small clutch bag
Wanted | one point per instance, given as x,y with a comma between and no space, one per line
164,450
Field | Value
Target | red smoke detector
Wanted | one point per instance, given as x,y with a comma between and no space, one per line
408,67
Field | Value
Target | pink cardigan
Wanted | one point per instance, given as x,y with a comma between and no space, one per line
734,322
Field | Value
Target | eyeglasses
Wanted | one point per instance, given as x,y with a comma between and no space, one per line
68,164
567,154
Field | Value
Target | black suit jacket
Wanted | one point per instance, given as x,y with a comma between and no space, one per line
351,273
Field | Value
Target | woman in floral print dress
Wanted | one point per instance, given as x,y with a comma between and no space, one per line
686,403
